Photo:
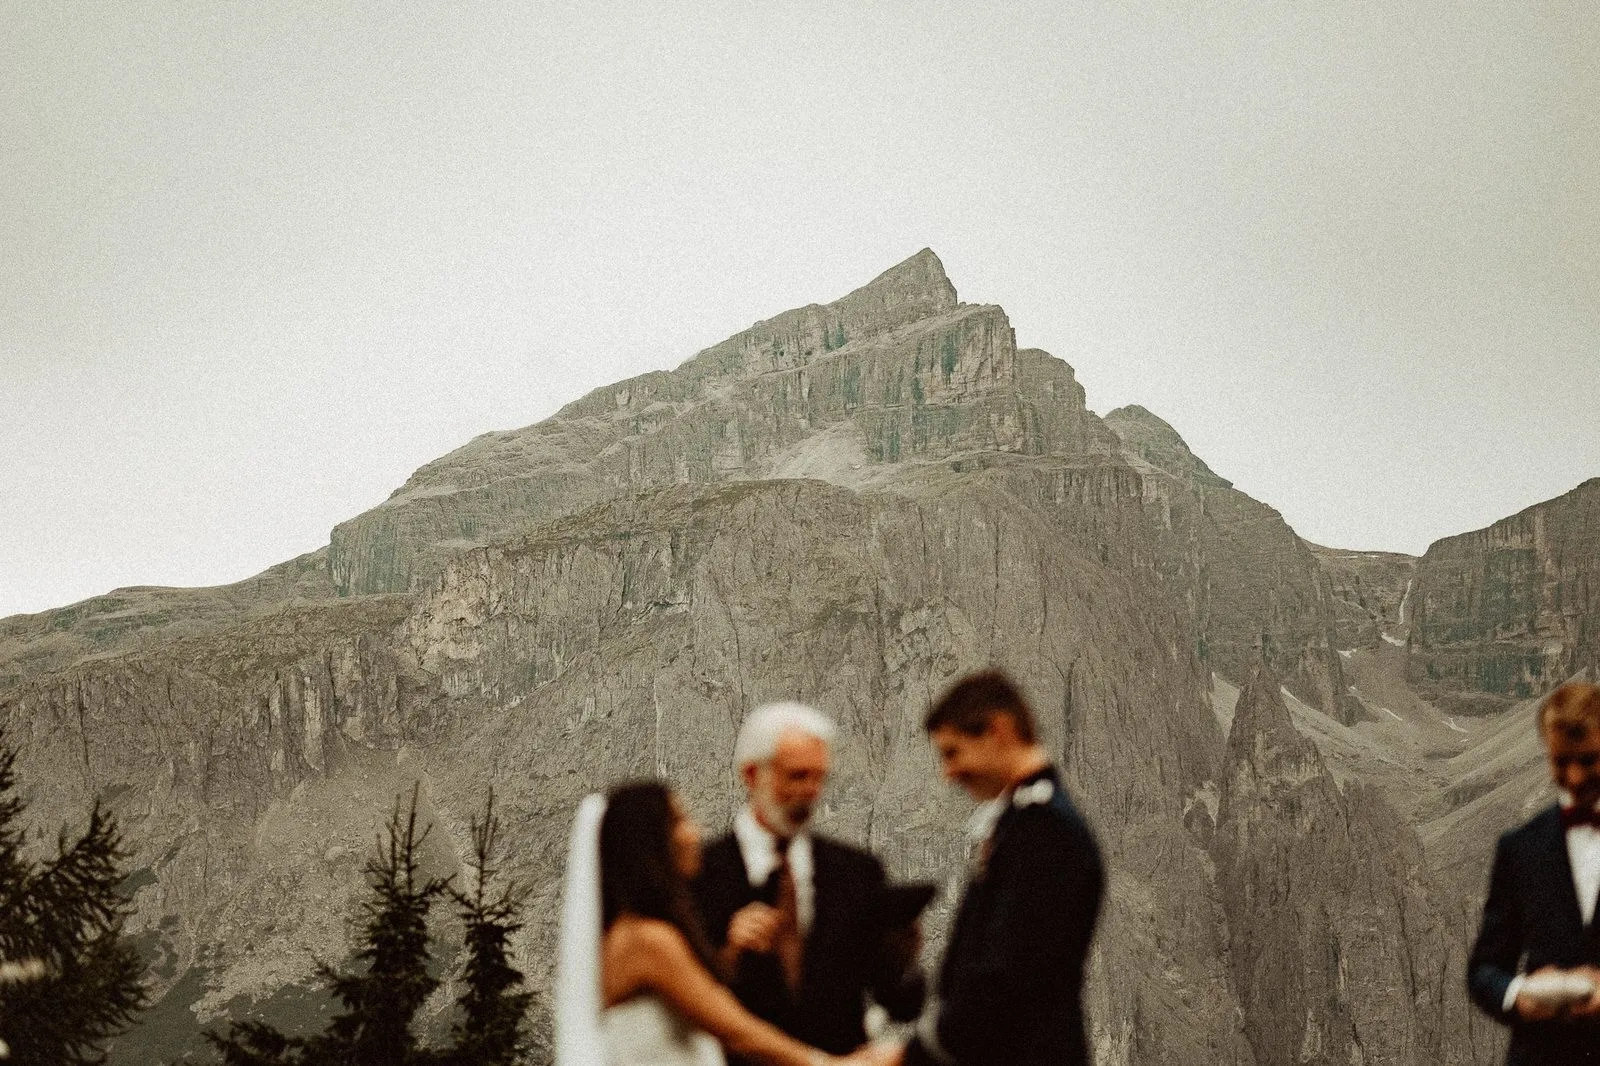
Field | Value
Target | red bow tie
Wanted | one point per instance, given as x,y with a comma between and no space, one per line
1572,816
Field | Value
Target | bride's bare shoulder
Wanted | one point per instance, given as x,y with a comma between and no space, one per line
634,937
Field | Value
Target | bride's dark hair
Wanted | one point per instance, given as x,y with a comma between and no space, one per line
639,874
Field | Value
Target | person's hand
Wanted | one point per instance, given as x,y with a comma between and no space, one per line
1590,1007
902,946
875,1055
753,928
1531,1010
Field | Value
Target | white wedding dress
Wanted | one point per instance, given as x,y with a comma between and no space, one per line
644,1031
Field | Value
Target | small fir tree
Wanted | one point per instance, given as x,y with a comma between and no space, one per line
257,1044
495,999
66,916
381,999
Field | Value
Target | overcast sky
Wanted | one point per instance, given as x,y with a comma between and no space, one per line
259,261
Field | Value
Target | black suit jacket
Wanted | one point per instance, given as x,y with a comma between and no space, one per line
1532,919
1011,988
844,961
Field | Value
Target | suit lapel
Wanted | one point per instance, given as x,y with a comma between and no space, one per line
747,892
728,879
822,875
1555,876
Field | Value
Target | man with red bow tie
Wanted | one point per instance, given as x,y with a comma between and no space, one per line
1536,963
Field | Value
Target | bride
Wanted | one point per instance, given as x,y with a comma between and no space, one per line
636,983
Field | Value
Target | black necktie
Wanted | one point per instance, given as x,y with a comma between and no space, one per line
1575,816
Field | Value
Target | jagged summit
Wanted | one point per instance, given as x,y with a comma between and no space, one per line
911,291
1263,738
895,373
919,278
1153,439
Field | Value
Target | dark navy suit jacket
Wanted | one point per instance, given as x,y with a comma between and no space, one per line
1532,919
844,961
1011,988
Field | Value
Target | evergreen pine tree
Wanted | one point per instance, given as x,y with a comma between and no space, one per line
257,1044
381,999
489,1030
68,913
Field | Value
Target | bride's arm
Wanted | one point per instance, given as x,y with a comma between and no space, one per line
647,954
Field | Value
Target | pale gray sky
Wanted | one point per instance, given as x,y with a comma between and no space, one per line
259,261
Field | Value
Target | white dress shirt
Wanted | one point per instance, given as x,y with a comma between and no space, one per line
1583,852
1583,855
759,848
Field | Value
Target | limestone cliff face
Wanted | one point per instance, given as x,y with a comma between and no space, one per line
1334,892
233,761
895,371
125,619
1508,612
1254,587
1371,593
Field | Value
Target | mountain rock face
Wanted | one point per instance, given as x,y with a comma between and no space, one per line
850,504
1253,586
895,370
1335,891
130,618
1505,613
1371,593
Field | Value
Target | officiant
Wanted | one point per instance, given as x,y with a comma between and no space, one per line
796,917
1536,963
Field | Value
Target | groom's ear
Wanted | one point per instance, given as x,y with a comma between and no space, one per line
1002,727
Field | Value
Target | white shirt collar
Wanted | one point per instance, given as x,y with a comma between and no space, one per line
980,826
759,849
985,816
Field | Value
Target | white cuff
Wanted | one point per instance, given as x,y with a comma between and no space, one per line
1510,1002
928,1034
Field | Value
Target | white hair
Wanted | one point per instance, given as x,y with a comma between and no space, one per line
766,725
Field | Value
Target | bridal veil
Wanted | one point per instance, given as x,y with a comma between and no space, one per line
578,999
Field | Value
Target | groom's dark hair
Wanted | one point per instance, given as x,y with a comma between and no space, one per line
972,703
639,874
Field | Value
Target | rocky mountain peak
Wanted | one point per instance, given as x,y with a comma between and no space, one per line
919,280
1150,438
908,292
893,376
1263,740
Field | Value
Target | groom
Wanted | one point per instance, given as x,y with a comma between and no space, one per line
1540,912
792,913
1011,989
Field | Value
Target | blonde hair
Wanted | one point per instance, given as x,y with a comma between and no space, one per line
1573,710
